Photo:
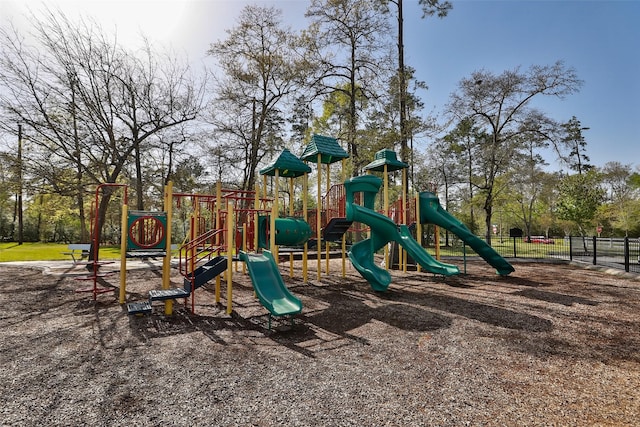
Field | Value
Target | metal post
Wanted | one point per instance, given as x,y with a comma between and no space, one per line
464,257
570,248
19,201
626,254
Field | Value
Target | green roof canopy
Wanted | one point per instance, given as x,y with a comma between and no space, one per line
287,165
328,148
386,157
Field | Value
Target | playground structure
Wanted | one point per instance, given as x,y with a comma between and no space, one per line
239,225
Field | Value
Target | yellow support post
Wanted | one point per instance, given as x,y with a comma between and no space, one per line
404,218
244,246
344,236
236,224
272,231
305,189
217,290
218,194
436,239
418,227
385,175
166,262
291,212
218,239
326,244
194,232
256,206
264,186
318,216
229,256
256,225
276,211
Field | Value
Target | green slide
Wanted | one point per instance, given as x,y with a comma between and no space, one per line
432,213
268,284
384,230
422,257
361,256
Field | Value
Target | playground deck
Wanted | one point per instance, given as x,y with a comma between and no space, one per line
548,345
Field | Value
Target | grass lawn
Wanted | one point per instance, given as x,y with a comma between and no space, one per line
11,251
506,249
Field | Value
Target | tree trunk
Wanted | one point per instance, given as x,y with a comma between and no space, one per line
404,150
139,186
84,231
98,222
488,209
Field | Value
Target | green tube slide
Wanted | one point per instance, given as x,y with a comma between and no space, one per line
361,256
432,213
384,230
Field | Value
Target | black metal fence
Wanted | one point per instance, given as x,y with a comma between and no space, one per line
618,253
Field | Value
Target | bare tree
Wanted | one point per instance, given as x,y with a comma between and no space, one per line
349,48
88,104
261,70
527,180
429,8
461,145
500,105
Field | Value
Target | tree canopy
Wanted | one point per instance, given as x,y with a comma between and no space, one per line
94,111
500,105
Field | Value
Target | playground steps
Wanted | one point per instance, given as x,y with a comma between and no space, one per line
335,229
206,272
146,254
144,307
203,274
167,294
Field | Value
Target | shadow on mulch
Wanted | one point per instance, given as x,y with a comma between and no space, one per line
336,308
567,300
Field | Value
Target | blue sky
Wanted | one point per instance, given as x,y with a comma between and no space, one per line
600,39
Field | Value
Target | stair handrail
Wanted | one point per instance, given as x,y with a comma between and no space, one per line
334,202
198,249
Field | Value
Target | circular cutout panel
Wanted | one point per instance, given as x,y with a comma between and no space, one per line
147,232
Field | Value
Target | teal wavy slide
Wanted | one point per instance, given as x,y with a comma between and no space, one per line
432,213
384,230
268,284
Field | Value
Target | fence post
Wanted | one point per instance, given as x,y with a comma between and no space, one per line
464,256
626,254
570,248
594,251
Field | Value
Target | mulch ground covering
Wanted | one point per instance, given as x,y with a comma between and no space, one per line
551,344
